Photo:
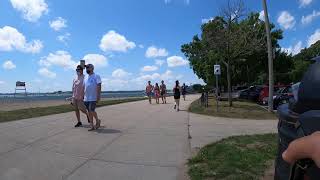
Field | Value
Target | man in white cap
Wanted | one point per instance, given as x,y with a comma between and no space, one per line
92,95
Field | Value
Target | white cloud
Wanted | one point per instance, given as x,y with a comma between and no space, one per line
8,65
112,41
159,62
58,24
64,38
97,60
2,82
153,52
141,46
47,73
295,49
314,37
149,68
11,38
166,76
120,74
304,3
175,61
261,15
309,18
59,58
206,20
31,10
286,20
112,84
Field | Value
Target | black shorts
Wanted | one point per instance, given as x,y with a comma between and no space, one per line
90,105
176,96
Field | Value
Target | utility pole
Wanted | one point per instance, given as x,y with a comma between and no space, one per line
270,58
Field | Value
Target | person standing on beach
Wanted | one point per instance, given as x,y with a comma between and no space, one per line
149,89
184,91
163,92
176,95
157,93
92,95
78,95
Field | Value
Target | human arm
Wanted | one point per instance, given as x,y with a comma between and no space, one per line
98,80
302,148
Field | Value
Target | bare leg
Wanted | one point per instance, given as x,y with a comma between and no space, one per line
150,99
91,120
177,102
95,115
78,115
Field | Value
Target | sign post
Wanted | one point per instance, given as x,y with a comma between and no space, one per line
217,72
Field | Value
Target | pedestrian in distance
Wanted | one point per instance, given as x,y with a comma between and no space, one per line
149,89
157,93
78,95
92,95
184,91
176,95
163,92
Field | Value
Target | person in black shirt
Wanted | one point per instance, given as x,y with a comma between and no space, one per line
176,95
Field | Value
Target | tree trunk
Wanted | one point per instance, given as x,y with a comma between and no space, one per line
229,85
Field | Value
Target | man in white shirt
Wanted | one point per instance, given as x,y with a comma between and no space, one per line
92,95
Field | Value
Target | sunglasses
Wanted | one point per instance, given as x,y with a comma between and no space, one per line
78,70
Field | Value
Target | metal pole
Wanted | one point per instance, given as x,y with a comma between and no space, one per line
270,61
217,89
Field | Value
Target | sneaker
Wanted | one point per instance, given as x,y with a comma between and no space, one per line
78,124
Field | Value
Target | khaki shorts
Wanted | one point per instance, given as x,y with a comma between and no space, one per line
79,104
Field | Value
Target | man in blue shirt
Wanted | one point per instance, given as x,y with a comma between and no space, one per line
92,95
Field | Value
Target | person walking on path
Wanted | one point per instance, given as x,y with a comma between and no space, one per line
78,95
157,93
92,95
184,91
176,95
149,89
163,92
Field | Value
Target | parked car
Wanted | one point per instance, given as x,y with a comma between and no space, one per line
282,96
252,93
264,94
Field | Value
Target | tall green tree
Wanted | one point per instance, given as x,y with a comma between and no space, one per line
302,61
237,43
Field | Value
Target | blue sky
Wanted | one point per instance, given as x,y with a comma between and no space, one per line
129,41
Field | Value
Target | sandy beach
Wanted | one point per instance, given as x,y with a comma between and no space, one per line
24,104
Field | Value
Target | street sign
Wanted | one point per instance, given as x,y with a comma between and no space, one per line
217,70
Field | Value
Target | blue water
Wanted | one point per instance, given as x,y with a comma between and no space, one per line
64,95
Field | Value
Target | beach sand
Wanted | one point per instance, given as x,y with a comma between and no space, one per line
15,105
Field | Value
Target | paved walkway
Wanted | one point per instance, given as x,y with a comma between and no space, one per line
137,142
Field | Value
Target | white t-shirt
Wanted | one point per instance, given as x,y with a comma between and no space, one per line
91,82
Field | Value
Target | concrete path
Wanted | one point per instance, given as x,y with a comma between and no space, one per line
137,142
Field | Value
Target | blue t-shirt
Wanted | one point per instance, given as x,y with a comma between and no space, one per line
91,83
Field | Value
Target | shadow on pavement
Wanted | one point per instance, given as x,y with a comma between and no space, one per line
107,131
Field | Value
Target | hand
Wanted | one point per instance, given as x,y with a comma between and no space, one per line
306,147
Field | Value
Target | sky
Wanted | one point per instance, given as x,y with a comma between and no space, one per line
128,41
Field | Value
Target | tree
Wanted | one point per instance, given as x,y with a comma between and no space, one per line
302,61
231,40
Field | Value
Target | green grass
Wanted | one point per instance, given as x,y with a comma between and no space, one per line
44,111
238,157
240,109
